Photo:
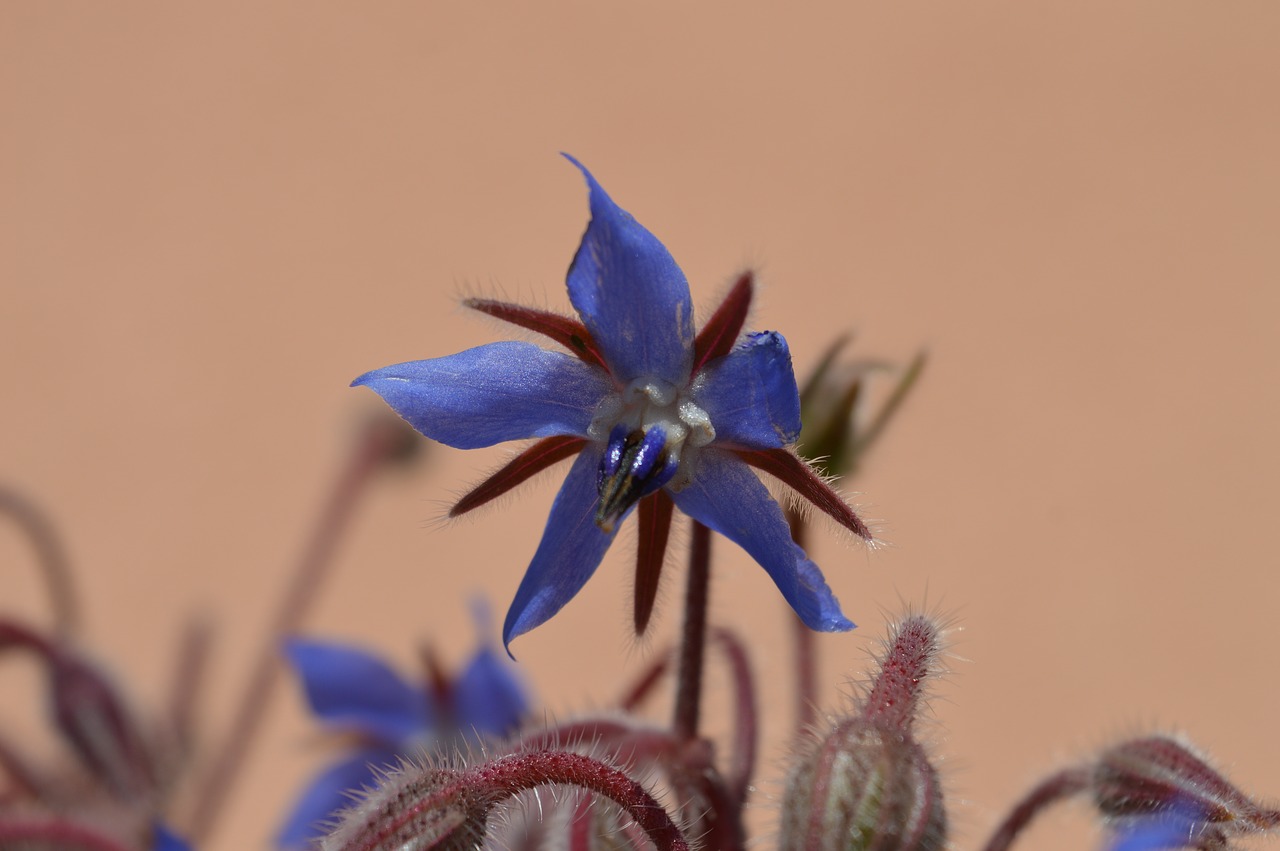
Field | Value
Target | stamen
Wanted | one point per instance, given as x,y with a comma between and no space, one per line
635,464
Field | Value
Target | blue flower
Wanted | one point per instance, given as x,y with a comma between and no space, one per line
354,692
166,840
657,415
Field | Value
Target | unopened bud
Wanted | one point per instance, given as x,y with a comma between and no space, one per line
1160,777
866,787
90,713
412,809
868,784
834,435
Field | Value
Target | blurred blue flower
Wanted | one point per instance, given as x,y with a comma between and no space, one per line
655,414
167,840
354,692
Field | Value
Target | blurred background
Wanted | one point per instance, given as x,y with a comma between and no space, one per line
213,217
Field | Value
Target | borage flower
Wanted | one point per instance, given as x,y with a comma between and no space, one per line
353,691
657,417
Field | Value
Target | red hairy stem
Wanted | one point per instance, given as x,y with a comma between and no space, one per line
1064,784
520,469
655,528
520,772
63,835
381,441
570,333
455,806
721,331
693,636
788,468
50,555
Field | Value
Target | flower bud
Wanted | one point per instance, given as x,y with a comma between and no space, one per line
1160,778
835,435
868,784
865,787
412,809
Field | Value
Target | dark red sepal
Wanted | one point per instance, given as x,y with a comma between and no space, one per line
785,466
570,333
721,331
655,528
528,463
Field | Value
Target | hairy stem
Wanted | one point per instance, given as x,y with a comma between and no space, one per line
514,774
1064,784
693,637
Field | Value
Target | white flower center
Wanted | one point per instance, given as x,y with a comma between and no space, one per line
646,403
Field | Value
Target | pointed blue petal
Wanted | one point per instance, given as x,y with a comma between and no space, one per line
1150,834
502,391
163,839
329,794
488,697
631,294
355,690
570,551
751,394
726,496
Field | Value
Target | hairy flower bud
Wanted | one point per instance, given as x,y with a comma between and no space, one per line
866,787
868,784
412,809
1157,785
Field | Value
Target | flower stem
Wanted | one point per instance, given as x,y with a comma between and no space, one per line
55,833
380,441
517,773
742,764
1064,784
806,650
693,637
51,556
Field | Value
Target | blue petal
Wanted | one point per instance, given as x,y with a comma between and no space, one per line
751,395
570,551
164,839
329,794
488,697
631,294
1154,833
502,391
726,496
350,688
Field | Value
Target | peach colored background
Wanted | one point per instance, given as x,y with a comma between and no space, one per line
213,217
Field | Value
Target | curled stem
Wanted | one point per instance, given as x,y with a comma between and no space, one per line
1065,784
50,555
520,772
